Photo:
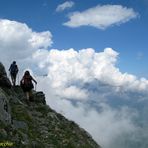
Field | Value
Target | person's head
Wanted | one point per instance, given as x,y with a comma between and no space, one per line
27,73
14,62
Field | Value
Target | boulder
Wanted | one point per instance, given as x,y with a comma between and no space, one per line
5,111
4,81
39,97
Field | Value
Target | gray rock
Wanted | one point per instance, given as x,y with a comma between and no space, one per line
36,144
3,134
5,114
24,139
37,114
39,97
4,81
2,69
20,125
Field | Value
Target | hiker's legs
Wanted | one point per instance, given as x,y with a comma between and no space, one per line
13,79
27,95
30,96
27,98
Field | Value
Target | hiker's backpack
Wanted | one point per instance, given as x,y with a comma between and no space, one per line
13,69
26,83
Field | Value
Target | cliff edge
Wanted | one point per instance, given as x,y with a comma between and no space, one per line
35,125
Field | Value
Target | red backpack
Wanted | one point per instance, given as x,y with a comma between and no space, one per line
26,83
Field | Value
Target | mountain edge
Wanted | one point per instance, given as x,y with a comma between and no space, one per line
35,125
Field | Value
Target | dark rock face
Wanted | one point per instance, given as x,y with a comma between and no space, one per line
39,97
5,114
4,81
2,70
36,125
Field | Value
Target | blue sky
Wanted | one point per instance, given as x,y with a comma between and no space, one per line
129,38
106,88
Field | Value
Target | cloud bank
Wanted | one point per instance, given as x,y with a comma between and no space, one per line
101,17
86,86
19,42
65,5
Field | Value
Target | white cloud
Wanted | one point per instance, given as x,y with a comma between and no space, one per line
68,66
109,123
101,17
19,42
65,5
85,85
88,88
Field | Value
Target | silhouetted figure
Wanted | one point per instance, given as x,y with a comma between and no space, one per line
13,72
27,85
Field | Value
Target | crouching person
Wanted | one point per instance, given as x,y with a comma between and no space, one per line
27,85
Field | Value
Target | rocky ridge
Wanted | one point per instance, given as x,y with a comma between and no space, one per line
35,125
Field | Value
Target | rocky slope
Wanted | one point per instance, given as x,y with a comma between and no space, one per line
35,125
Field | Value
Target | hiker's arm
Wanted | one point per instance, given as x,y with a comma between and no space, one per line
22,79
9,67
34,80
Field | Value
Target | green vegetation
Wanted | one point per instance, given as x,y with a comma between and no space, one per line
37,125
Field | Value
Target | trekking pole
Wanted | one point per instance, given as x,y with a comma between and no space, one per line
18,79
35,86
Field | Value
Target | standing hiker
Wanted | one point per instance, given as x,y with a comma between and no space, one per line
13,72
27,85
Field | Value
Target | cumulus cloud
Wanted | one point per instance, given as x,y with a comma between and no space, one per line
101,17
65,5
69,67
19,42
86,86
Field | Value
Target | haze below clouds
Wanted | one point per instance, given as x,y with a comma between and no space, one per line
86,86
